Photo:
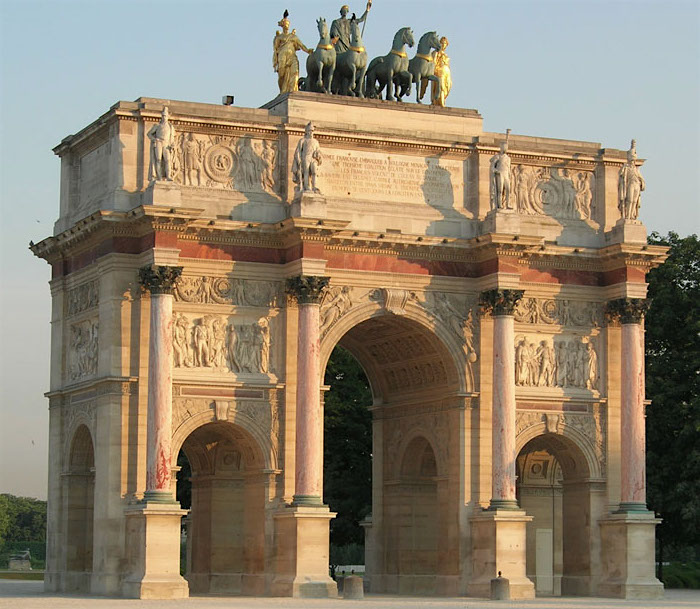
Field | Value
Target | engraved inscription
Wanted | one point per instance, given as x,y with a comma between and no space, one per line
399,179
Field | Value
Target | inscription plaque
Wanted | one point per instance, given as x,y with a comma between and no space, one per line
397,179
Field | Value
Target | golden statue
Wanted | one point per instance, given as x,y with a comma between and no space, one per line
442,71
284,56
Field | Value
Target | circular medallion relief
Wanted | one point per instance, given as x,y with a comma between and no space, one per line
218,163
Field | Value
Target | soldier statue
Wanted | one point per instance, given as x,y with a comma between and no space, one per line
307,157
162,138
630,186
500,177
340,28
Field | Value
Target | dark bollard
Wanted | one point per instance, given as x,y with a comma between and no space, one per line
352,587
500,588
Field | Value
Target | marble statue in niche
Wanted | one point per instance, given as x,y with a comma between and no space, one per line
307,158
162,136
630,186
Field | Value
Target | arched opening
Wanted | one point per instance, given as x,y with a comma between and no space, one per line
79,497
554,487
226,525
415,418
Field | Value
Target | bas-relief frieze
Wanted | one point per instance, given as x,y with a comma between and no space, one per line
83,350
566,313
397,179
559,361
245,164
221,290
82,298
211,342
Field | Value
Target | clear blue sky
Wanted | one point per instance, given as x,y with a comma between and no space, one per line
601,71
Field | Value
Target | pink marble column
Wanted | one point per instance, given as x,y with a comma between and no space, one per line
502,304
309,416
160,281
633,441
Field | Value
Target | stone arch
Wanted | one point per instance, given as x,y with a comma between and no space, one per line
230,490
256,439
579,442
413,312
563,495
78,509
417,438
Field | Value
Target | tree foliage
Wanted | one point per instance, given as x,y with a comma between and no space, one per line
21,519
347,447
673,385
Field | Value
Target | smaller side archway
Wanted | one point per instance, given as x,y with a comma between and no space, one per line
557,487
78,509
226,552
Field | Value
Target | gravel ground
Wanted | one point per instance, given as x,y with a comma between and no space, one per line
30,595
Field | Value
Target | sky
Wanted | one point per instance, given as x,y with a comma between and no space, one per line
601,71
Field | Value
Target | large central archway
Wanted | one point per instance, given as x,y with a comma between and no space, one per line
411,545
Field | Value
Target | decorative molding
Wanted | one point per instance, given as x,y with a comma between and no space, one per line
222,290
307,289
159,279
627,310
566,313
500,302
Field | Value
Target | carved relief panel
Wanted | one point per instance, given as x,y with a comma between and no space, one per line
245,164
559,192
222,290
82,350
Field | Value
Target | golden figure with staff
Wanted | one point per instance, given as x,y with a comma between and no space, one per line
284,56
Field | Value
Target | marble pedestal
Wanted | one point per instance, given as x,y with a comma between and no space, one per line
308,205
629,556
153,552
500,221
627,231
162,192
301,564
498,544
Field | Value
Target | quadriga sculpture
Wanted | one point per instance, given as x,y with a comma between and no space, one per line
422,66
351,65
387,69
320,65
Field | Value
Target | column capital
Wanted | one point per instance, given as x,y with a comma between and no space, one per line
159,279
307,289
627,310
500,302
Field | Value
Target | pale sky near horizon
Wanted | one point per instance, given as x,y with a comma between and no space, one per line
585,70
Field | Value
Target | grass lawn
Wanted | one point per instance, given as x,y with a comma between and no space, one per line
25,575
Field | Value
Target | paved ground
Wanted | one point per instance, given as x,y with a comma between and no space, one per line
30,595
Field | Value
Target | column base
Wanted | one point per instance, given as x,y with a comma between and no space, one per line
165,497
628,552
627,507
153,552
498,544
503,504
301,564
501,221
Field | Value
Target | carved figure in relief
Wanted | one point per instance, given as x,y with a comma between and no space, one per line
194,154
438,95
284,56
249,167
182,350
521,363
162,136
340,28
263,334
269,159
218,341
336,303
562,364
500,177
548,362
591,367
307,158
630,185
84,350
527,195
201,344
231,346
584,195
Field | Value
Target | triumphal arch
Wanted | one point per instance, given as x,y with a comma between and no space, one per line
207,260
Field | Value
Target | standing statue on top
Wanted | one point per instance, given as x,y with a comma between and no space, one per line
351,66
340,28
307,157
284,56
162,136
630,186
438,95
500,177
